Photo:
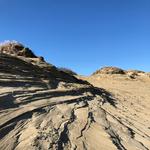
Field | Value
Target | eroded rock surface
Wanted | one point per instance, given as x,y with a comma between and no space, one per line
44,108
132,109
109,70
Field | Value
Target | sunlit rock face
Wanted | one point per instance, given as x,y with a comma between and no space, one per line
16,48
110,70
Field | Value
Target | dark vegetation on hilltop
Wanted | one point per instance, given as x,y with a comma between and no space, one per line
69,71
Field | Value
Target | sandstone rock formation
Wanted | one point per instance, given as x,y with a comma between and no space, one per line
16,48
42,107
110,70
132,104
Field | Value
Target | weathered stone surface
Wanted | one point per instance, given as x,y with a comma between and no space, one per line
44,108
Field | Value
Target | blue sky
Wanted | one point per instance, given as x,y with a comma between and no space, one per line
83,35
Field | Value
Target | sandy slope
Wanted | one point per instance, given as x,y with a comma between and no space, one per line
44,108
132,97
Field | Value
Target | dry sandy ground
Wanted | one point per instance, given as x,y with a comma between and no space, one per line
44,108
132,97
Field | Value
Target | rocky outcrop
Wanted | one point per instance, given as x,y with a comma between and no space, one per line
109,70
120,73
16,48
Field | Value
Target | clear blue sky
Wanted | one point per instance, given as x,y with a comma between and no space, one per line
83,35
